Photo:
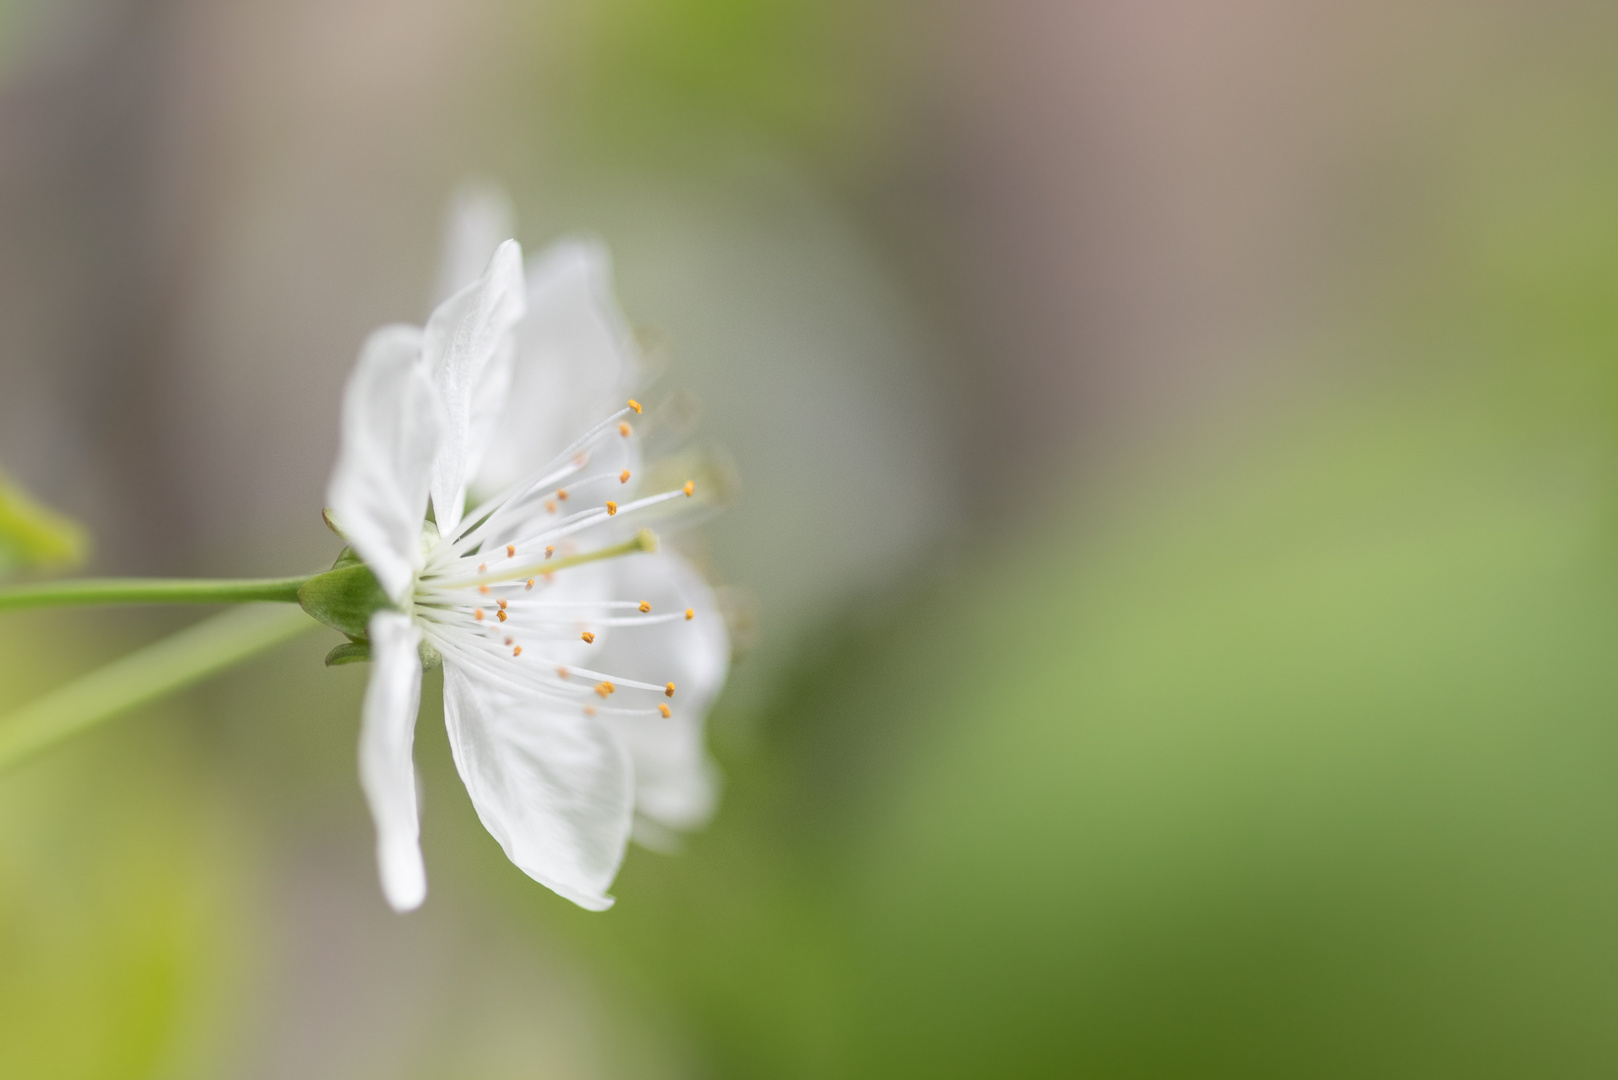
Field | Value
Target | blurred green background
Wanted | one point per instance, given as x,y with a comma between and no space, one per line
1180,460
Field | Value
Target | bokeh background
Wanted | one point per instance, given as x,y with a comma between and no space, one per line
1179,446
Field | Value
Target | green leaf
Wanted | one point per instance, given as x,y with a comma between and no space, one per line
33,535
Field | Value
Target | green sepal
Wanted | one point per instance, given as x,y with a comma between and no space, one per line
349,652
344,597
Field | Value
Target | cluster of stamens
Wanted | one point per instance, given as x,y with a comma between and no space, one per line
486,591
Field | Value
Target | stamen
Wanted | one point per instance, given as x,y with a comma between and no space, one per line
561,493
501,614
668,691
478,614
550,549
511,551
690,489
645,606
604,688
517,651
666,711
589,638
529,584
623,477
633,404
484,589
690,613
612,508
624,430
502,603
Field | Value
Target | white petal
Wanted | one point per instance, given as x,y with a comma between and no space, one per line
464,350
676,783
480,217
387,731
550,784
576,362
391,431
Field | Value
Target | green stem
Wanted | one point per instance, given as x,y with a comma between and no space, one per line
146,674
151,591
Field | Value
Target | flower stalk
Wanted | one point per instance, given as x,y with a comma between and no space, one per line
151,591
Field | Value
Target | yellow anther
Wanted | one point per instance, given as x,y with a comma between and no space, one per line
589,638
633,404
602,690
561,493
666,711
517,651
484,589
645,606
612,508
690,613
529,584
478,614
501,614
623,477
511,551
690,489
668,691
550,549
624,430
502,604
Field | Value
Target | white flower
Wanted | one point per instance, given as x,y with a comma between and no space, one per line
575,681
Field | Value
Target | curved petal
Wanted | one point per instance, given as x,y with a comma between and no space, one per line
555,789
463,346
576,362
392,427
676,783
480,216
387,732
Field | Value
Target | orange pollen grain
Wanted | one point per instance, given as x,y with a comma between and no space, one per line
633,404
501,614
623,477
482,566
624,430
529,584
690,489
690,613
561,493
517,651
561,672
478,614
666,711
511,551
668,691
550,507
484,589
645,606
589,638
612,508
589,710
550,549
605,688
502,604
